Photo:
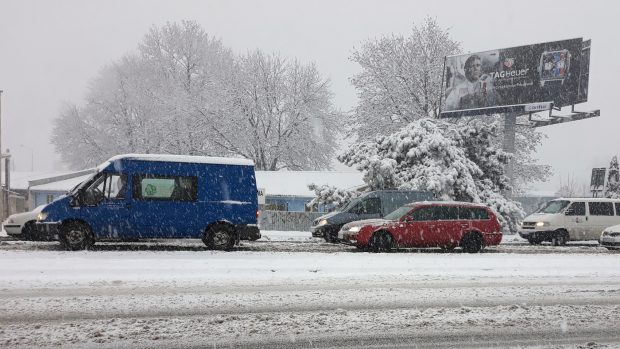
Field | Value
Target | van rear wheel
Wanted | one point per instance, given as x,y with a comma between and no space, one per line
220,237
534,241
75,236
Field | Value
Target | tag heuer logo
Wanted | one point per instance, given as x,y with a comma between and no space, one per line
509,62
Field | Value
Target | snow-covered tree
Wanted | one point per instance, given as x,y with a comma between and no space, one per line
569,188
400,81
612,188
329,195
185,93
282,114
400,78
453,161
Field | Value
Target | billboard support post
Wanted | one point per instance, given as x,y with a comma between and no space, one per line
510,125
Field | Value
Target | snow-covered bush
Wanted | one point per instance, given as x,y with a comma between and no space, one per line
330,196
453,161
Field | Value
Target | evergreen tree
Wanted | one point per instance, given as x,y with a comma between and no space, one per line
612,189
332,196
452,161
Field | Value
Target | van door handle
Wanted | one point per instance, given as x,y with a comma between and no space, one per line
586,218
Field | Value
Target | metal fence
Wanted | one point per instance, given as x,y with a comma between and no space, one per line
287,221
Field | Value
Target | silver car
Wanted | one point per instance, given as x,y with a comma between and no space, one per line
610,238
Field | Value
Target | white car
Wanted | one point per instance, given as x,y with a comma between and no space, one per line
610,237
22,225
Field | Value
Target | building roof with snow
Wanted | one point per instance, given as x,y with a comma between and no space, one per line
275,183
295,183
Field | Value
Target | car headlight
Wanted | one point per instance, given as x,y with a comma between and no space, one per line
41,216
542,224
354,229
605,233
322,222
10,220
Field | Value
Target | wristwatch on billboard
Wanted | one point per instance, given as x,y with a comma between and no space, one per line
554,67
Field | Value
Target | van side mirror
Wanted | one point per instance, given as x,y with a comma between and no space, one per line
76,199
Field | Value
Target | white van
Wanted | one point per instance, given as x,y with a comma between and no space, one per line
570,219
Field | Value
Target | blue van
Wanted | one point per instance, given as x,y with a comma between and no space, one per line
150,196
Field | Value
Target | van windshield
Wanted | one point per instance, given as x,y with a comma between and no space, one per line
554,206
348,205
82,184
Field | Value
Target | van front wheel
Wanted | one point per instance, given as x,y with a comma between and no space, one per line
220,237
75,236
559,238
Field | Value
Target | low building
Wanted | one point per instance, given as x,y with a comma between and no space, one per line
283,190
288,190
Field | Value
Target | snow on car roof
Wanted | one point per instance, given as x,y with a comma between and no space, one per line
181,158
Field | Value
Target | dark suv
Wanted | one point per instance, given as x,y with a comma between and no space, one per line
374,204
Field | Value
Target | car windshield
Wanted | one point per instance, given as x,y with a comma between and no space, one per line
398,213
554,206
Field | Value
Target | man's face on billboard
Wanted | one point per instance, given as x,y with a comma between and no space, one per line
473,71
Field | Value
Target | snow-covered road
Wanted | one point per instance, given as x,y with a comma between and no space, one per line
514,295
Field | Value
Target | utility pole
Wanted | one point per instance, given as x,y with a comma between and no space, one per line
510,126
7,181
1,191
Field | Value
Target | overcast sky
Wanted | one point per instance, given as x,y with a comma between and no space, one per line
50,50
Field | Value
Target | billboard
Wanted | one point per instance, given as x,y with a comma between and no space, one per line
584,75
518,79
597,181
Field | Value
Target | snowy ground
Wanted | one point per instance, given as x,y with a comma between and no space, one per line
290,290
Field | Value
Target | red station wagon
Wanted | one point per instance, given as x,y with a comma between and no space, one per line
427,224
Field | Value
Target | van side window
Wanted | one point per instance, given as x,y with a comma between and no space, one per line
106,186
116,186
373,206
601,208
368,206
156,187
617,208
576,209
